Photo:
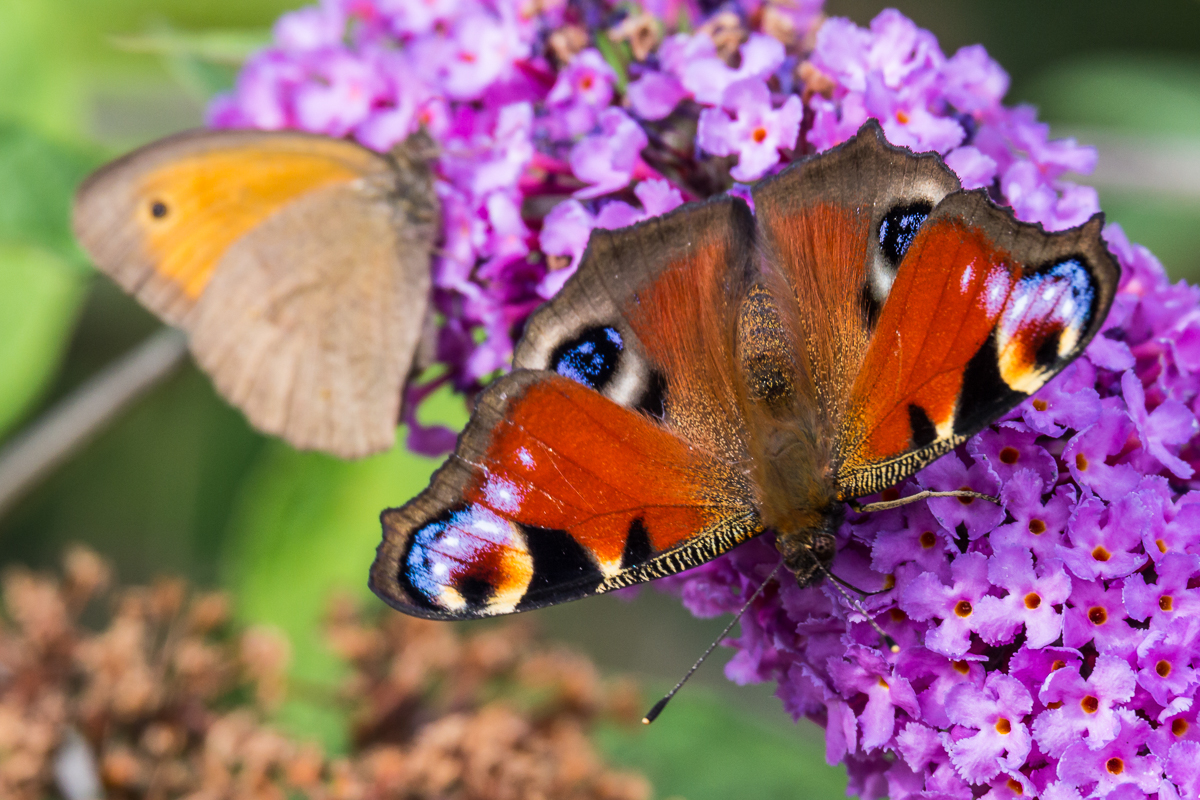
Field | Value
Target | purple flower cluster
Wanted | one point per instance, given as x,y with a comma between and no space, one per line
1049,646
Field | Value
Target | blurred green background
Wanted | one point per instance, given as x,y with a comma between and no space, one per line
180,484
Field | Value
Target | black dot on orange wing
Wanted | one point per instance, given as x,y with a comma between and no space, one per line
899,227
591,358
984,392
562,568
923,431
637,545
158,209
1046,355
475,590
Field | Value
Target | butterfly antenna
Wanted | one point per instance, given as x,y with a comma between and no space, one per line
653,713
857,605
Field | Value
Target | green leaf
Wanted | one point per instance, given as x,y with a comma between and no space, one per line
703,748
37,181
617,57
39,298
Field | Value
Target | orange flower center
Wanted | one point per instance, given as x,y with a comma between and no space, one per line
586,82
1033,600
966,501
1115,766
1089,704
1057,665
1098,615
963,608
902,117
1179,727
1101,554
1163,668
1081,462
1166,603
1009,455
1003,727
759,135
1014,786
961,667
1040,405
928,539
1037,527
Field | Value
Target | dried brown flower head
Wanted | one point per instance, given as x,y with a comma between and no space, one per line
166,700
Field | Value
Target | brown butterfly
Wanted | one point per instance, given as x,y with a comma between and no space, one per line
719,372
298,264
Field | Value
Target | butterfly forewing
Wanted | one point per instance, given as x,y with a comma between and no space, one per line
983,312
554,493
606,458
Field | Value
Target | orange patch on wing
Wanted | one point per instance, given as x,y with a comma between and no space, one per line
943,306
567,458
203,217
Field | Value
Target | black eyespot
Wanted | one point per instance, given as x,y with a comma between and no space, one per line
899,227
158,209
591,358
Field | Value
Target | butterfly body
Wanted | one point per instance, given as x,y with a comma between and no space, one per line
718,372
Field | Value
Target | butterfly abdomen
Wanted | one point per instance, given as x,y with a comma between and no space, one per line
789,443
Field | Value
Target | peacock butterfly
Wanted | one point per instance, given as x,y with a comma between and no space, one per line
718,372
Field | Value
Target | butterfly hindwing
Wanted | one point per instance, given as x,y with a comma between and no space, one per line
555,492
983,312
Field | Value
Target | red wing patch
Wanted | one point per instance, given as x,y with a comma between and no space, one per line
556,492
983,312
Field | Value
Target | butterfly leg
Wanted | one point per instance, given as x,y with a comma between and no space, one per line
884,505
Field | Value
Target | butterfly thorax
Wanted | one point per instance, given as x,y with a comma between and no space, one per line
790,441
